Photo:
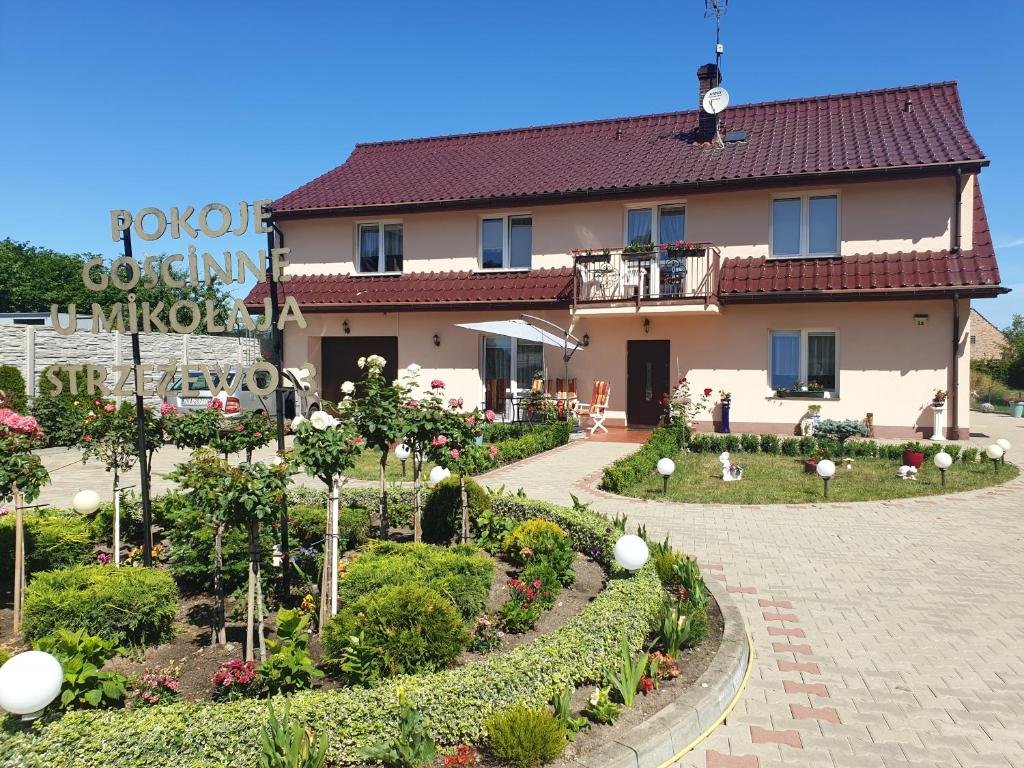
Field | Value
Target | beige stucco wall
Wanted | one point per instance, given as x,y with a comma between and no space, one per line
889,366
875,217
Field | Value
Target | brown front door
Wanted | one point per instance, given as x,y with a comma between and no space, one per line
647,381
338,357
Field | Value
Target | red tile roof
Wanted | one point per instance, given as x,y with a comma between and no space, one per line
425,290
971,271
848,132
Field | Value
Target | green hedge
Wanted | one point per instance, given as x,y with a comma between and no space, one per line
12,383
454,703
135,606
664,441
54,539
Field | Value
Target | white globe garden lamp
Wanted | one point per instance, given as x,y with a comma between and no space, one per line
86,502
402,453
1003,443
665,468
631,552
826,469
437,474
29,681
995,452
943,461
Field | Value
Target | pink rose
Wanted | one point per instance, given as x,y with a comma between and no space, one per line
240,428
454,453
493,450
259,434
470,421
489,415
437,384
88,438
167,408
109,407
439,441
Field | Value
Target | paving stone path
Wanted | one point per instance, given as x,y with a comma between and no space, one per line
885,633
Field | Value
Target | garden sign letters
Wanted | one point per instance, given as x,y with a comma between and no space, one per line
183,316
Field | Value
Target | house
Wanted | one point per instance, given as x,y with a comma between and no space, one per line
987,341
834,242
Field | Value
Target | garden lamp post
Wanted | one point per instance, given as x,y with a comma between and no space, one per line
631,552
943,461
665,468
995,453
1003,443
826,469
29,681
402,453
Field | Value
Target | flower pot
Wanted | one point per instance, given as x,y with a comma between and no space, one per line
912,458
811,467
783,393
726,406
1018,410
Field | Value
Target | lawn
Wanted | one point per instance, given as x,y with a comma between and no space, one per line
367,467
771,479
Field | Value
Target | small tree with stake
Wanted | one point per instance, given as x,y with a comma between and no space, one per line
424,419
377,409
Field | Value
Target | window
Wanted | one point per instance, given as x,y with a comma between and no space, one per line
380,247
807,357
805,226
974,339
506,242
671,224
509,369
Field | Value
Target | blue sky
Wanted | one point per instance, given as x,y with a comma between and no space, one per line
124,105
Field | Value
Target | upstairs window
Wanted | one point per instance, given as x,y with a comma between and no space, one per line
506,242
803,357
380,248
805,226
665,224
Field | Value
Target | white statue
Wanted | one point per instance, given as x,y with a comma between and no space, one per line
906,473
730,471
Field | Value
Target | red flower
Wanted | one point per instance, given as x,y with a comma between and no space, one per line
437,384
240,428
707,392
258,434
646,684
88,438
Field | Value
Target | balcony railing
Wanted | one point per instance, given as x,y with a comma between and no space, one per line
660,274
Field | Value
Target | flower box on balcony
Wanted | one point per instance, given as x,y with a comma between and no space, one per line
785,393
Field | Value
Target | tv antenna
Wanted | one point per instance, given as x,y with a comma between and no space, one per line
717,8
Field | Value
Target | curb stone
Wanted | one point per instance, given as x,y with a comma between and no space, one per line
662,736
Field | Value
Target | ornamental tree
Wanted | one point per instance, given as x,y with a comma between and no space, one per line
683,408
377,409
21,471
248,433
110,435
192,430
455,447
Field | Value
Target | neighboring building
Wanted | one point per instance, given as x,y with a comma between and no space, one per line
987,341
837,240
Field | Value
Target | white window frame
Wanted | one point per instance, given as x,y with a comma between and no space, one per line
506,234
515,389
805,223
381,259
655,217
804,334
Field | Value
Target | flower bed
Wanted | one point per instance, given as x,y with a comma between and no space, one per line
453,703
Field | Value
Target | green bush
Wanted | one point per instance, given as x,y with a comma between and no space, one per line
406,629
4,655
307,524
790,446
442,514
750,443
548,578
526,737
731,443
82,656
54,538
454,703
461,573
664,441
12,383
541,541
134,606
770,444
969,455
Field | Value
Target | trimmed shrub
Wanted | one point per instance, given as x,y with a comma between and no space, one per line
526,737
790,446
541,541
770,444
731,443
53,539
969,455
307,524
808,445
134,606
750,443
664,441
404,629
442,513
12,383
454,703
462,573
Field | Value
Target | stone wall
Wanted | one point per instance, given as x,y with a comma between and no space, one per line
32,348
987,341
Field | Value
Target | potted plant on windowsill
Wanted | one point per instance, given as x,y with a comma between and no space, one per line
681,249
799,389
638,250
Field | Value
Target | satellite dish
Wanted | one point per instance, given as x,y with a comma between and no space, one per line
715,100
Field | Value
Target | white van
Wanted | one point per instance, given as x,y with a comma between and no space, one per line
297,395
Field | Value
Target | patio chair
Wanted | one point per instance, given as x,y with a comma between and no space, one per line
597,408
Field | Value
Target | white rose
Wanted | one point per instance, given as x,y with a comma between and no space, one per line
277,460
361,362
376,361
300,419
321,420
413,369
348,388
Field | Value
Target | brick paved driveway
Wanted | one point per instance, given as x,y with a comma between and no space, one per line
885,633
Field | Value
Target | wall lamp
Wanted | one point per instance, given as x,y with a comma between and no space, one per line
345,327
647,325
437,340
586,339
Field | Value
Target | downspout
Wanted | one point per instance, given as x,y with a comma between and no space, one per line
954,389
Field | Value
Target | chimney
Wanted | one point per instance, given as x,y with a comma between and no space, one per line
708,77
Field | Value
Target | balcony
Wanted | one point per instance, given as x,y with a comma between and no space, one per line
661,278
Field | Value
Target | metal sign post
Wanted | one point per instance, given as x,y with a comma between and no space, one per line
140,429
278,350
